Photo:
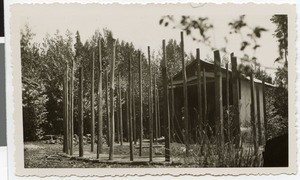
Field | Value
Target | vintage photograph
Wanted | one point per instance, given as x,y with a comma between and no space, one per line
155,86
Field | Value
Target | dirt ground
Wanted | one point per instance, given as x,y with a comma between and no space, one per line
42,155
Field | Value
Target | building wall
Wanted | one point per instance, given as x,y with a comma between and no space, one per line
245,105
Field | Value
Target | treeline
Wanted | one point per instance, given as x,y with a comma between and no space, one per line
44,64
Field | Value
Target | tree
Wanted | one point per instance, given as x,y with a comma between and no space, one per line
33,90
281,33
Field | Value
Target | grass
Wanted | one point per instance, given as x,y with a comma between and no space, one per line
41,155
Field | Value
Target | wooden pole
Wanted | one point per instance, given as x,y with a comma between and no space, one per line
100,105
141,103
69,114
107,109
120,110
65,99
72,109
219,103
150,109
227,103
185,98
127,115
172,117
80,125
265,111
205,103
155,110
92,104
158,112
235,99
133,110
258,116
112,105
253,123
200,115
130,110
166,103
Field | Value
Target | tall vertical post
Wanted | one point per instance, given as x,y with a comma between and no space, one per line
172,109
185,98
200,116
80,125
127,115
69,114
92,104
218,103
130,110
235,99
205,102
227,103
72,109
140,103
107,109
158,112
265,111
133,109
172,118
66,120
120,110
258,115
112,105
253,123
150,109
166,103
100,104
155,109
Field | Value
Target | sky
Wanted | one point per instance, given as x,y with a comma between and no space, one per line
139,24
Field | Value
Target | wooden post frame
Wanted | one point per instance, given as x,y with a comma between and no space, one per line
199,88
236,132
166,112
150,109
185,98
100,105
253,121
218,103
130,110
107,108
66,119
140,103
92,104
112,107
80,122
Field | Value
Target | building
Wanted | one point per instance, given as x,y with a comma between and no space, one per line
244,98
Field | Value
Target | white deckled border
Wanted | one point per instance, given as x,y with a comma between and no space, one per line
14,114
